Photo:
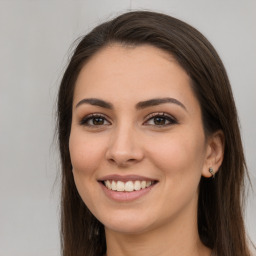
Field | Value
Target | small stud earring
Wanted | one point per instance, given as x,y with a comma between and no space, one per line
212,172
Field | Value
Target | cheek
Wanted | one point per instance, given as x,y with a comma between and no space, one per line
179,159
84,154
180,154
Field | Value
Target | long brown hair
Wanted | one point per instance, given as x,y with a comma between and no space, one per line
220,222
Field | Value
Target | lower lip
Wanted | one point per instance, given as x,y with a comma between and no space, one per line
125,196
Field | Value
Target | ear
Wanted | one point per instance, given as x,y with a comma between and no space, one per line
214,153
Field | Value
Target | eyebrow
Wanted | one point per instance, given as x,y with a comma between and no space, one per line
158,101
139,105
95,102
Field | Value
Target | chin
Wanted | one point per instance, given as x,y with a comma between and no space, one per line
127,228
128,224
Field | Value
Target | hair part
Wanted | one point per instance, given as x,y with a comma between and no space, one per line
220,221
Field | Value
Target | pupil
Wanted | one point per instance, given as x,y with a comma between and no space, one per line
98,121
159,120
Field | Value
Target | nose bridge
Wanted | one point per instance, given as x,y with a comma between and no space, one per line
123,145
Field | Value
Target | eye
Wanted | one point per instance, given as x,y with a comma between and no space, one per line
95,120
160,119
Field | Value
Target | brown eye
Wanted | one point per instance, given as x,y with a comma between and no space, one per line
94,120
98,121
160,119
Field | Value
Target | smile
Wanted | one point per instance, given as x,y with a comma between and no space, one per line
127,186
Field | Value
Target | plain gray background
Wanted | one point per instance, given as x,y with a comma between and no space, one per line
36,36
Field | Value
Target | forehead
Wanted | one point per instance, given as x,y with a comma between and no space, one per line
132,74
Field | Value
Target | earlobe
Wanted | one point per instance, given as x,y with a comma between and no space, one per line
214,154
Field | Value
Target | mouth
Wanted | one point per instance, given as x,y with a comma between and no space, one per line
128,186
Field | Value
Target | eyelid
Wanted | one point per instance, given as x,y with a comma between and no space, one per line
161,114
93,115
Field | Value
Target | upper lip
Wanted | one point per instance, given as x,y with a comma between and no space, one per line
125,178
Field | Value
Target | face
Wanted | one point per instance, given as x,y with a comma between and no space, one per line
137,143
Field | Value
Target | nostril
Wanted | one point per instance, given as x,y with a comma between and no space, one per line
122,162
131,160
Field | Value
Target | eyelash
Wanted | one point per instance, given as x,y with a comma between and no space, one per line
91,117
163,117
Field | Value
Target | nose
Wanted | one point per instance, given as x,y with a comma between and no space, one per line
124,147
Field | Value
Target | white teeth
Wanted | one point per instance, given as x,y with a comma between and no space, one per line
143,184
108,184
148,183
120,186
127,186
137,185
113,185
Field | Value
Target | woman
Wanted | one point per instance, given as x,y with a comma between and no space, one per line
151,153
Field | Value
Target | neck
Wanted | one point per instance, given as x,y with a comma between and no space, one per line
179,238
